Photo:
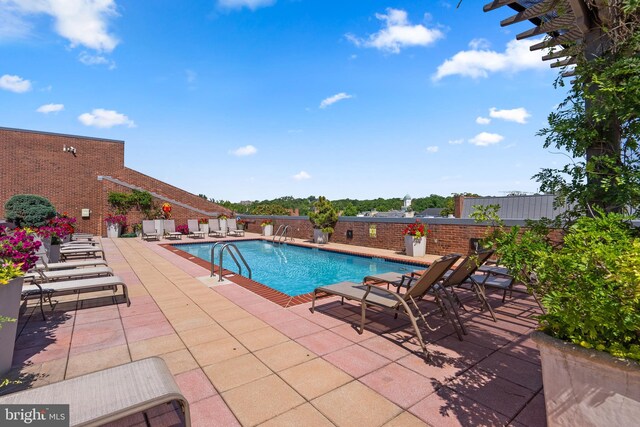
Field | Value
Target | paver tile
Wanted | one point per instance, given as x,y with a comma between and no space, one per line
285,355
314,378
356,360
217,351
261,338
179,361
534,414
400,385
212,410
518,371
323,342
193,337
240,370
304,415
155,346
406,419
195,385
85,363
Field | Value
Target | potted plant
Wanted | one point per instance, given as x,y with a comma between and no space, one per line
203,223
115,224
223,223
323,218
267,227
241,223
137,229
17,255
415,240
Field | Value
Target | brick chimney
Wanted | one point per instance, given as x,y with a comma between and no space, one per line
458,204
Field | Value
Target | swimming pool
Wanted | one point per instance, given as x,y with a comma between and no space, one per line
296,270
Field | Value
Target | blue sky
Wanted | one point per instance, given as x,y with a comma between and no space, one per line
254,99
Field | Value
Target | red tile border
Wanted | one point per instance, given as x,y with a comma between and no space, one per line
266,292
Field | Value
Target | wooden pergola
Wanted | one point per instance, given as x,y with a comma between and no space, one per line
571,27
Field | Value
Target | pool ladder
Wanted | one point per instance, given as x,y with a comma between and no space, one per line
230,248
281,235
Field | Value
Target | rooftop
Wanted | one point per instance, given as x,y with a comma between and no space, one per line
243,360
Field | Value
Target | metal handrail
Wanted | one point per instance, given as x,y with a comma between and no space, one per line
282,235
228,247
273,239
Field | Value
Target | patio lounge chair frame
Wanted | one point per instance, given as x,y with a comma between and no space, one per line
233,229
214,228
194,229
170,230
109,395
368,294
149,230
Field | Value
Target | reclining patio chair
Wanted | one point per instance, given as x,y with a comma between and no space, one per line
232,225
81,251
149,230
43,263
170,230
214,228
369,294
194,229
68,274
109,395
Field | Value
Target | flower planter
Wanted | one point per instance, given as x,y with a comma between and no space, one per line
584,387
267,230
204,228
9,307
320,237
113,230
46,242
415,247
159,226
223,226
54,253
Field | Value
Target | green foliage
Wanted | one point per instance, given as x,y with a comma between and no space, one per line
324,216
589,284
598,126
142,201
119,202
270,209
29,210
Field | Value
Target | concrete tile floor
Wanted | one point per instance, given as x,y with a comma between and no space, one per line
242,360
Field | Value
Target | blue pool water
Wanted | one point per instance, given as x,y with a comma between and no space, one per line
296,270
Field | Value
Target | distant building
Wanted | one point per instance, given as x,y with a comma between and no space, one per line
512,207
430,213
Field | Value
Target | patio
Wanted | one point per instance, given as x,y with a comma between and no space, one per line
242,360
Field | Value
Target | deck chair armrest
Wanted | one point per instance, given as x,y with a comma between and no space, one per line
386,291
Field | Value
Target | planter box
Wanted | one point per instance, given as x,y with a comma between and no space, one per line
223,226
9,307
159,226
267,230
205,228
113,231
584,387
320,237
54,253
415,248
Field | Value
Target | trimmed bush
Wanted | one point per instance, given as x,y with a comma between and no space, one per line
29,210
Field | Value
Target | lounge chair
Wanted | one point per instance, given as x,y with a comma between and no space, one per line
82,252
72,273
44,264
109,395
82,236
369,294
95,284
233,229
170,230
214,228
194,229
149,230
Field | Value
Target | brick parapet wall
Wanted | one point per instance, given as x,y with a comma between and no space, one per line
34,163
445,236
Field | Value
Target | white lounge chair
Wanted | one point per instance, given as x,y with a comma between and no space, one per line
233,228
214,228
170,230
109,395
149,230
194,229
72,273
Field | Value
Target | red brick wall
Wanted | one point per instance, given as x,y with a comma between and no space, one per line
445,235
34,163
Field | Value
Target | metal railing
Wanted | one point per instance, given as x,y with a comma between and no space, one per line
282,236
230,248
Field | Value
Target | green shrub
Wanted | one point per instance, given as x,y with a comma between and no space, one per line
324,216
29,210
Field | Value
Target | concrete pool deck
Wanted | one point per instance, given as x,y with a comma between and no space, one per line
242,360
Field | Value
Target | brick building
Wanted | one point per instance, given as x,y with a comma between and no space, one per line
80,178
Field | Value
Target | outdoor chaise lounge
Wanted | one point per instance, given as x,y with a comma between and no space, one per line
232,225
71,273
149,230
214,228
109,395
194,229
170,230
370,294
82,252
44,264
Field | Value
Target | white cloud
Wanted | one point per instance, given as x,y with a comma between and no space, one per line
456,141
333,99
50,108
480,62
518,115
302,175
397,33
480,43
82,22
484,139
89,59
101,118
483,120
14,84
432,149
247,150
249,4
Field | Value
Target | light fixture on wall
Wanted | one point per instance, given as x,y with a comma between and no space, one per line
69,149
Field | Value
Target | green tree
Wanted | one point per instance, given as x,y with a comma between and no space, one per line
270,209
324,216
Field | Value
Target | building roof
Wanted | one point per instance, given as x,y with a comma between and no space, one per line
516,207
